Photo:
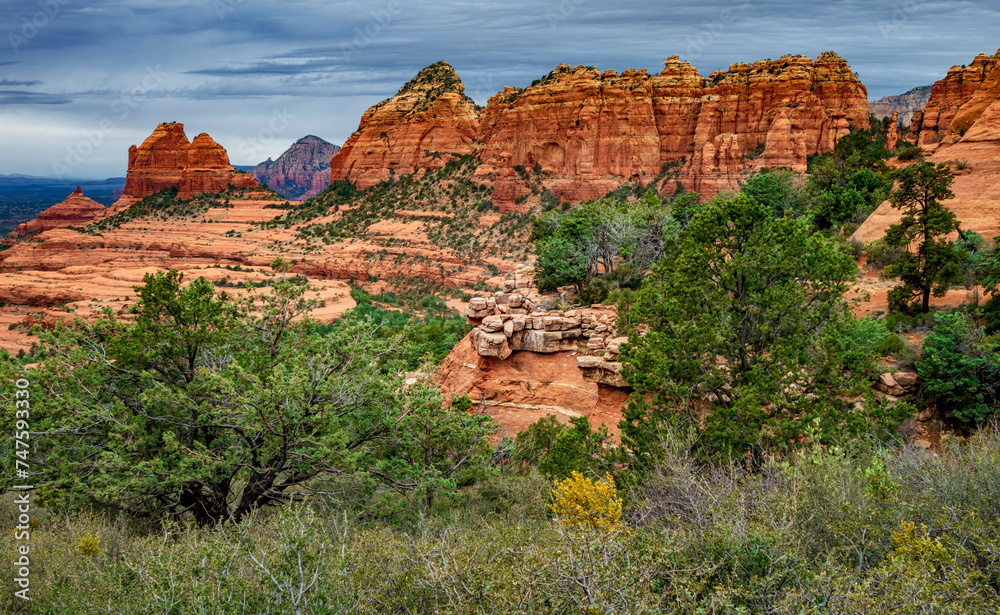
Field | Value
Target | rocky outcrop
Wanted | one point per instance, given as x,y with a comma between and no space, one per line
580,132
303,169
960,127
74,210
166,159
526,361
415,130
904,104
958,100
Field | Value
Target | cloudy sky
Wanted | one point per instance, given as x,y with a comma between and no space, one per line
80,80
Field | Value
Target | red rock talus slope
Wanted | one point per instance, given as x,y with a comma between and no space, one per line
957,101
429,116
961,123
167,159
74,210
303,170
589,131
906,105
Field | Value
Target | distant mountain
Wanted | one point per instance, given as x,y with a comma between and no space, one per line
23,197
302,171
906,104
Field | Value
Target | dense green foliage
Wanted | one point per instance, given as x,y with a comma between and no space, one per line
926,224
558,450
746,335
608,243
431,328
848,183
863,529
211,406
961,369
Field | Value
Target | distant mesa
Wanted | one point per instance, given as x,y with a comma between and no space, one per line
301,172
906,105
582,132
166,159
74,210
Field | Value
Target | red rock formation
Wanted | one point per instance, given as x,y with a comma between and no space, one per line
414,130
74,210
892,134
587,131
303,169
166,159
958,100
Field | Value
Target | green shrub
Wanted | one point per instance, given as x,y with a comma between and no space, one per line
892,345
912,152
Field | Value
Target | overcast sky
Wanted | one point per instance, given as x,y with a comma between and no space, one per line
81,81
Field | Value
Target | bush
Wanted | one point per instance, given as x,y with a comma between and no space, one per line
892,345
913,152
586,504
880,254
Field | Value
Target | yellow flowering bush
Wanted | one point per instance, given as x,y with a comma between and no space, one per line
915,546
580,502
89,545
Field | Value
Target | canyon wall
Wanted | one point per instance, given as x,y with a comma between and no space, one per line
582,132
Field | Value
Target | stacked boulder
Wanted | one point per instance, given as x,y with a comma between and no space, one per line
515,319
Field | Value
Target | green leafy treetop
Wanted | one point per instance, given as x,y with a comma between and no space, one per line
211,406
742,314
925,227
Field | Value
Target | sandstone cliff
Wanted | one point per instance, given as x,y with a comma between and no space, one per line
430,116
582,132
167,159
958,100
961,124
303,170
74,210
904,104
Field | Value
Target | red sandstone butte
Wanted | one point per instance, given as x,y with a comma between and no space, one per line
428,118
167,159
958,100
74,210
589,131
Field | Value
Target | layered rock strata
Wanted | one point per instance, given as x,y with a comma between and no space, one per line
958,100
74,210
583,132
906,105
166,159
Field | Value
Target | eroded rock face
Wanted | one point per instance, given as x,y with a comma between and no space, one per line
904,104
74,210
414,130
581,132
525,362
960,123
167,159
958,100
303,170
